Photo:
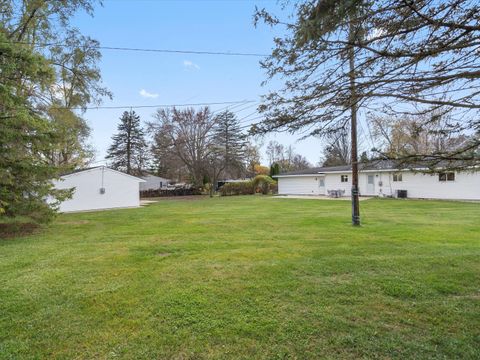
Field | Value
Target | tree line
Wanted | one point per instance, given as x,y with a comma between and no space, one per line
196,146
42,132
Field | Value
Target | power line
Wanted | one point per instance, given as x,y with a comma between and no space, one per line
231,108
166,51
169,51
155,106
228,107
249,115
237,112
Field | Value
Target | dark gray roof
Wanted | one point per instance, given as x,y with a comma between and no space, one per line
372,165
317,170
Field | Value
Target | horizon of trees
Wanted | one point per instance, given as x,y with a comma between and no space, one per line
194,145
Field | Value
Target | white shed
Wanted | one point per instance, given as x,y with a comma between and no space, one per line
153,182
99,188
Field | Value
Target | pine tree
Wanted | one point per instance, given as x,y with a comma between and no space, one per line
128,151
274,169
25,135
230,143
38,140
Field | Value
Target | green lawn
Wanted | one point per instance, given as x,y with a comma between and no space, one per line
246,278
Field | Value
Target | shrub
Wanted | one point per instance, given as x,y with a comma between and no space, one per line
237,188
260,184
264,184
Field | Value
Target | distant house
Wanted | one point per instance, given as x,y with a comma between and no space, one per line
99,188
153,182
383,179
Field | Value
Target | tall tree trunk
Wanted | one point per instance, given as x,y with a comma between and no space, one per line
353,125
129,144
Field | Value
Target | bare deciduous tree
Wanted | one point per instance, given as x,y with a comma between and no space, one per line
338,151
187,135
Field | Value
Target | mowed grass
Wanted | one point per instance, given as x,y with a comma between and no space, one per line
246,278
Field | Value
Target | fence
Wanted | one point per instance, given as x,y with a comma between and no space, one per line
177,191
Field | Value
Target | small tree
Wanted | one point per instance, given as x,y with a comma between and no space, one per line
252,159
128,151
274,170
260,170
364,158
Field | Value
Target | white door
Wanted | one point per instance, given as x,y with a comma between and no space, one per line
371,185
321,186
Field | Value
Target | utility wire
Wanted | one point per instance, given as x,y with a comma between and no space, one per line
237,112
167,51
247,116
228,107
155,106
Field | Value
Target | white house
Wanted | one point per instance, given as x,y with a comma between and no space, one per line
99,188
382,179
153,182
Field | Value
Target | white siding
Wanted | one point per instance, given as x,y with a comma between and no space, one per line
378,182
121,190
299,185
465,187
334,182
153,182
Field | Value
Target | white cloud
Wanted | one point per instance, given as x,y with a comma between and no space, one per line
190,65
146,94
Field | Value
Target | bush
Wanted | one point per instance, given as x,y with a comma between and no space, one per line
264,184
260,184
237,188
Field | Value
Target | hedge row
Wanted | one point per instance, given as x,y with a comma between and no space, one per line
260,184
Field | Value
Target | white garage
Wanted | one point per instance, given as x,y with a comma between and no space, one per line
99,188
301,184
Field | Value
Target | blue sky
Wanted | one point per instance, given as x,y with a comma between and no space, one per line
181,78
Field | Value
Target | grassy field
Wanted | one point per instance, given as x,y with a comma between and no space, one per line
246,278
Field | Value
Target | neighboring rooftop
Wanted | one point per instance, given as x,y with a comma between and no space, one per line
100,167
80,170
372,165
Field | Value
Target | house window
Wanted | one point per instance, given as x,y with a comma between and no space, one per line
397,177
344,178
446,176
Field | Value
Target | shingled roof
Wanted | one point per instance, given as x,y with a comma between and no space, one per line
372,165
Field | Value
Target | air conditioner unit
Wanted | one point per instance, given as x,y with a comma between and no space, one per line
402,194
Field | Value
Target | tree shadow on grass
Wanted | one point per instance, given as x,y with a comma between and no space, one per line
10,230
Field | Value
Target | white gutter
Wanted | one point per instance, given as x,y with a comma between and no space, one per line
369,171
299,175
